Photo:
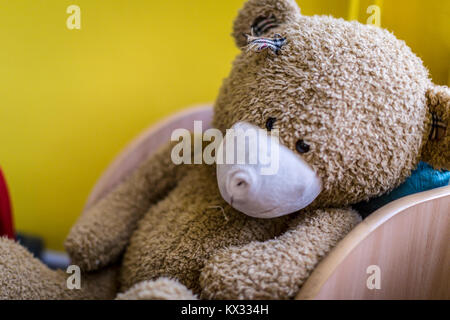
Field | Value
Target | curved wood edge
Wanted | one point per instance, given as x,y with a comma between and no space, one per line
329,264
144,146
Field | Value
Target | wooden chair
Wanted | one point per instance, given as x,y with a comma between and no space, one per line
404,244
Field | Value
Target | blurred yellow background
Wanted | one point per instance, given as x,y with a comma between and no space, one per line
70,100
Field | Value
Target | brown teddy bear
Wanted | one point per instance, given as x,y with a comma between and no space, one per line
355,110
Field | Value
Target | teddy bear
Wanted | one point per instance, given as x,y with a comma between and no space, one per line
355,111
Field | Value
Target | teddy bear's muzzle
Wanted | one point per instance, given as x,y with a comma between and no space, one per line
262,178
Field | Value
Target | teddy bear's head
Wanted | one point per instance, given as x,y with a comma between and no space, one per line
350,100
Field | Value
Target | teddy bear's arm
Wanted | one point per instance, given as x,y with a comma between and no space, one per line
276,269
103,231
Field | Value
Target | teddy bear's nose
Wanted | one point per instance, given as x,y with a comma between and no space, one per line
239,184
260,177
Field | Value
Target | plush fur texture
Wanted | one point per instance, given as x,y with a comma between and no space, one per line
24,277
161,289
232,272
358,96
95,241
182,231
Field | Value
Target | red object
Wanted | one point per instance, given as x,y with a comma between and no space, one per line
6,222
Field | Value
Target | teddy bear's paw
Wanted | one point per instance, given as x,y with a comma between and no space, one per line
161,289
277,268
251,272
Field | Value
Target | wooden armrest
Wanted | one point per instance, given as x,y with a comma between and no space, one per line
407,239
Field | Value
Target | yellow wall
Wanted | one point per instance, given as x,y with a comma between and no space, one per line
71,99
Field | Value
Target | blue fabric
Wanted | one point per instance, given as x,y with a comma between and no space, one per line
422,179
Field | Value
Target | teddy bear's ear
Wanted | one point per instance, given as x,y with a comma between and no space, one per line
259,16
437,149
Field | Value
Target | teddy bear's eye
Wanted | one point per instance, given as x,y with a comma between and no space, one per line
269,124
302,147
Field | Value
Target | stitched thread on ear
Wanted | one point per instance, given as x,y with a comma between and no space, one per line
259,43
438,127
263,24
